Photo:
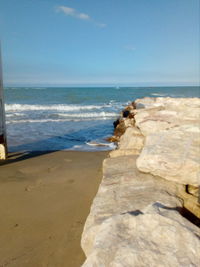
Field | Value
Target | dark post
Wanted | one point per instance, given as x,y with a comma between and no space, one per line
3,143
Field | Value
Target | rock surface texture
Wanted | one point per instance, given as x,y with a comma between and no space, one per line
146,210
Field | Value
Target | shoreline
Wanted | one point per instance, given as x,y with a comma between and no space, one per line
70,118
45,199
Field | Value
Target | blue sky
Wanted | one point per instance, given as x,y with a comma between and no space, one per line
100,42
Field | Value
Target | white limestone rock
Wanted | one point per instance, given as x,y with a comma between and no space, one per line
131,143
173,155
123,152
128,122
155,236
135,218
177,103
131,139
124,189
172,145
160,114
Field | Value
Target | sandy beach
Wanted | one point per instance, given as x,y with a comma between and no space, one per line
44,202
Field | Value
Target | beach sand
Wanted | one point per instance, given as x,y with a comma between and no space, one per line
44,202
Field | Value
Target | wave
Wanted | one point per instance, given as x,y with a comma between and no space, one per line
15,114
24,88
40,121
60,107
90,115
39,88
70,117
96,143
157,94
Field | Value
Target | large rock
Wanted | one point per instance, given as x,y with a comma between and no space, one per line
155,236
176,103
123,152
130,143
125,189
137,217
132,139
121,126
158,114
173,155
172,130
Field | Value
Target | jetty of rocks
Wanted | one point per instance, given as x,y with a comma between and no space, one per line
147,209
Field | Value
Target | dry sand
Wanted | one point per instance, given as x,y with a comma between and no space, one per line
44,202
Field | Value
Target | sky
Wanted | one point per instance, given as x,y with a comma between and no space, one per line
100,42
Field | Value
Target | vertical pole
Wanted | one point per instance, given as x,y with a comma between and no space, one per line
3,143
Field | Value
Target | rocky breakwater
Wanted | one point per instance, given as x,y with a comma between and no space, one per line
147,210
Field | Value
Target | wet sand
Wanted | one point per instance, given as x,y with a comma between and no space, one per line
44,202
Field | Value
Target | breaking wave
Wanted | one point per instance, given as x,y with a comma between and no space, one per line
60,107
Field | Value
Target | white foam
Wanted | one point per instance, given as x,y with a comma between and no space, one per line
71,117
14,114
77,146
102,114
101,144
36,121
93,143
61,107
156,94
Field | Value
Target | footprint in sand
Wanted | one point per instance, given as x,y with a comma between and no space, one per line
33,186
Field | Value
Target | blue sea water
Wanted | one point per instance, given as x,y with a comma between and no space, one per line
46,119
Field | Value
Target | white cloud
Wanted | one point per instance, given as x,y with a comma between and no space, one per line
83,16
101,25
76,14
73,12
130,47
67,10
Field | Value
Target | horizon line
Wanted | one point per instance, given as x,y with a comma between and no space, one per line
100,86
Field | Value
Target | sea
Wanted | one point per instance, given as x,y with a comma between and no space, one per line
69,118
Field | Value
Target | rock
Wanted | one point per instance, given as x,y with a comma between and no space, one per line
192,205
128,122
130,143
155,236
193,190
124,189
120,128
126,113
115,123
176,103
112,139
160,114
132,139
149,188
123,152
173,155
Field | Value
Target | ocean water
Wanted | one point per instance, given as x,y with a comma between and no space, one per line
47,119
